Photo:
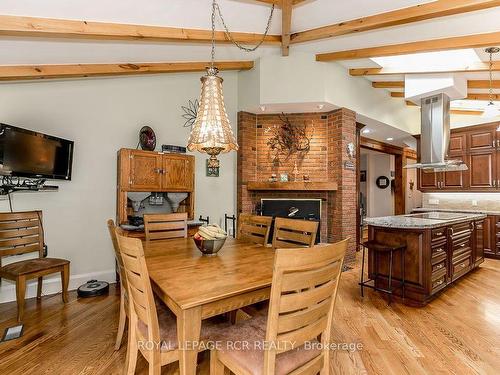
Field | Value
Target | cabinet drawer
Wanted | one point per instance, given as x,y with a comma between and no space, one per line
438,283
461,267
439,233
438,251
460,229
461,246
438,267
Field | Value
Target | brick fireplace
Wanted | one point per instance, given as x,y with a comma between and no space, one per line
326,162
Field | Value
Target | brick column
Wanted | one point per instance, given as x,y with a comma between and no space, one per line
247,160
342,203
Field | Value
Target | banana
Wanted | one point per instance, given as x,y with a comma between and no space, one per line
212,232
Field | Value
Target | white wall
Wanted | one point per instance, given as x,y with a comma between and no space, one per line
101,116
413,198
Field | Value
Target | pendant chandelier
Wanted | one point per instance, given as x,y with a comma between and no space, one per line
491,109
212,133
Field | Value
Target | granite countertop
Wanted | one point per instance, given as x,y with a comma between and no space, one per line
473,211
413,221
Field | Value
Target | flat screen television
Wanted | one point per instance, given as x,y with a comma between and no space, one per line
25,153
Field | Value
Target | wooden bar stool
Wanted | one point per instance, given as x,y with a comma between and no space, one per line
378,249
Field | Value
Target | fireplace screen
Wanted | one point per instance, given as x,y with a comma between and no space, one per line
301,209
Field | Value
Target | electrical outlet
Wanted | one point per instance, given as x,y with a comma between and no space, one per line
474,202
434,201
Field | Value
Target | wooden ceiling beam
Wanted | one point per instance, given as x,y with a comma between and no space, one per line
471,84
397,17
458,42
29,72
286,24
61,28
388,84
479,67
496,97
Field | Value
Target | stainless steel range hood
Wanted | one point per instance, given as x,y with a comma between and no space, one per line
435,136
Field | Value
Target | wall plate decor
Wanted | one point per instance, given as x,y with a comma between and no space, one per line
147,138
284,177
212,171
382,182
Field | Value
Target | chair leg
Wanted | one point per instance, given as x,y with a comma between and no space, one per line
216,366
65,282
122,320
155,363
20,293
39,288
132,350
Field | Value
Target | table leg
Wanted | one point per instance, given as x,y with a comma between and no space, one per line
188,334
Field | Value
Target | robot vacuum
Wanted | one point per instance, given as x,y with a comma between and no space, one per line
93,288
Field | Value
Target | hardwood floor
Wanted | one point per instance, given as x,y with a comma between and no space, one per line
458,333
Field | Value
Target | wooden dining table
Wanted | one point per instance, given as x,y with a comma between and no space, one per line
197,287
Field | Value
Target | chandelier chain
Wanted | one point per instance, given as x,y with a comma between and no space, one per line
216,9
491,77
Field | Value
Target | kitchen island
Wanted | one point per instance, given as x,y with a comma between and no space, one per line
441,247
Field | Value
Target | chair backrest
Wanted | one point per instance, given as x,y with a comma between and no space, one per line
140,293
254,228
112,233
303,294
21,233
165,226
294,233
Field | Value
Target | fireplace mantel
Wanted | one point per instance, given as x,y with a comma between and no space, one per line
293,186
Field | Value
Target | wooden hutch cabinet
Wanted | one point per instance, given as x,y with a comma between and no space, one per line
479,148
149,171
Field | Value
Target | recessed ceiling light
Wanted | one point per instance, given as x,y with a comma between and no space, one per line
320,106
389,139
263,108
366,131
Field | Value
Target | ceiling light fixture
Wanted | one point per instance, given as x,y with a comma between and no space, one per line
321,106
491,110
212,133
263,108
366,131
389,139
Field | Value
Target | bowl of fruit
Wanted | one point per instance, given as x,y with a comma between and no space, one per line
210,239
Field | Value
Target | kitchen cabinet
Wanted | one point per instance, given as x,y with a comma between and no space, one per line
144,170
479,147
482,170
178,172
492,242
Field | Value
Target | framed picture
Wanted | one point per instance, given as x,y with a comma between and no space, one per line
212,172
362,176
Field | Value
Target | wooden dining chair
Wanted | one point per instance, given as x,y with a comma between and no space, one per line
124,308
152,326
22,233
294,233
165,226
254,228
294,336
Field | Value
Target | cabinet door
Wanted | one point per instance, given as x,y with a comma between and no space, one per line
497,174
481,140
478,254
455,180
489,235
145,171
429,181
458,144
482,170
178,173
496,238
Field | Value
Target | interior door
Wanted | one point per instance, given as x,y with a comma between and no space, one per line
178,173
145,171
482,170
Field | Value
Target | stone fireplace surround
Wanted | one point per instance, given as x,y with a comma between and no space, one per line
327,161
